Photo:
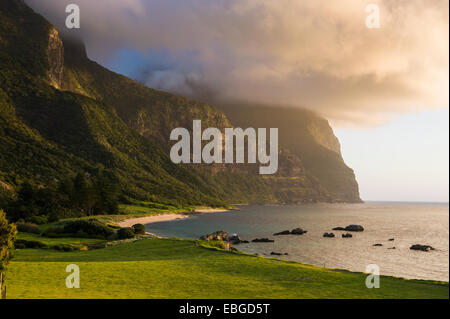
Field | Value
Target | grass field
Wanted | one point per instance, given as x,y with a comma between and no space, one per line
172,268
77,242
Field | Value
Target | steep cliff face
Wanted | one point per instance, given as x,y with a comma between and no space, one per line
323,134
55,54
310,138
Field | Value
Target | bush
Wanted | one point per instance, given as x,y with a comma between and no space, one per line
54,231
85,228
139,229
40,220
125,233
23,243
64,247
29,228
19,246
213,244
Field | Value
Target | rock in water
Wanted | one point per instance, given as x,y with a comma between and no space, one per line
234,239
285,232
298,231
354,228
328,235
276,254
421,247
218,235
223,236
263,240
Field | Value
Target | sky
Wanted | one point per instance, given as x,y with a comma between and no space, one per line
384,90
406,159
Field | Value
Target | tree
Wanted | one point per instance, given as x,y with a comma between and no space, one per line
84,197
107,195
27,193
8,234
25,206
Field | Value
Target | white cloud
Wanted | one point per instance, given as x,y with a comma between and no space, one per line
314,53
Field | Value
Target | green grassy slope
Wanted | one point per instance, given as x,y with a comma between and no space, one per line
166,268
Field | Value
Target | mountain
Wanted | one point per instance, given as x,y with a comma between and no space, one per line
310,138
61,113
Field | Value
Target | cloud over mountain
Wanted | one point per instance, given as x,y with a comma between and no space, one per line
313,53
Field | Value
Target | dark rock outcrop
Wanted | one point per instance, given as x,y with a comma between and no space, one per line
296,231
421,247
285,232
278,254
347,235
234,239
377,245
223,236
218,235
357,228
262,240
328,235
338,228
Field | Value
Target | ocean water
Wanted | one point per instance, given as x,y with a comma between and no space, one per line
407,223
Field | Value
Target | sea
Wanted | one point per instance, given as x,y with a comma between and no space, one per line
396,226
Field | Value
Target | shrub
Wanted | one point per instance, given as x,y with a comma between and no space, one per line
23,243
125,233
64,247
29,228
40,220
54,231
19,246
86,228
139,229
213,244
90,227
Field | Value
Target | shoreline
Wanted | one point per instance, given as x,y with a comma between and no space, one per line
145,220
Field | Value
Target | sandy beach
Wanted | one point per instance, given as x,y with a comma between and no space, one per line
167,217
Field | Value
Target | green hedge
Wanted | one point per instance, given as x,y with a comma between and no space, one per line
85,228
